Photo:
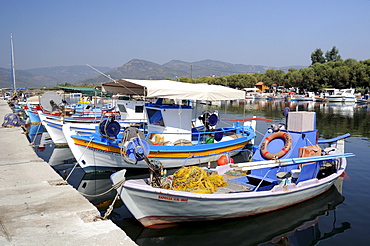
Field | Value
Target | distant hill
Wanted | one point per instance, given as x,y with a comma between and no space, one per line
137,69
134,69
141,69
25,79
68,74
49,76
213,68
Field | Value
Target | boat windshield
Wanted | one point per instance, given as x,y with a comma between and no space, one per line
122,108
155,117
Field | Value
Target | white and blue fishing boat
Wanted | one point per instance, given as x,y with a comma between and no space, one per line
53,114
172,142
32,112
175,139
288,167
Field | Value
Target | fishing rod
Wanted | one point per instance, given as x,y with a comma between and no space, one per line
111,79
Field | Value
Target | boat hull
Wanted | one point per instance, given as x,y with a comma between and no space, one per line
33,115
54,128
97,155
341,99
168,206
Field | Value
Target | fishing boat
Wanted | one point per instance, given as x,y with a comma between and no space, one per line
299,223
53,124
275,97
32,112
175,138
171,143
287,168
130,114
53,114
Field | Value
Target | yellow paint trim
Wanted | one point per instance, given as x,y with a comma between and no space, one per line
162,154
97,146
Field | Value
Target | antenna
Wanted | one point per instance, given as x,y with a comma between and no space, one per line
108,76
115,81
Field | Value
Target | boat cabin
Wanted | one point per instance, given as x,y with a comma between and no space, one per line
298,139
131,110
166,119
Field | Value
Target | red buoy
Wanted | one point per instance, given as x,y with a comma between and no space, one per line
223,160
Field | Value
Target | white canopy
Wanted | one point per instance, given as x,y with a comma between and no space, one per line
173,90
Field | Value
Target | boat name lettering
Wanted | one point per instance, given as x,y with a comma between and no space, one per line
104,151
176,199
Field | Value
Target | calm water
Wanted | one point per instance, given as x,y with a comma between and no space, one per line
338,217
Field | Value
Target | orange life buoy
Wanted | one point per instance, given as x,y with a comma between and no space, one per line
287,145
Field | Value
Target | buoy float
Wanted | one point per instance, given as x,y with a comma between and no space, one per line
224,161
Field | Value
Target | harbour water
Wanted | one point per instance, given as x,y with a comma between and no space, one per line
338,217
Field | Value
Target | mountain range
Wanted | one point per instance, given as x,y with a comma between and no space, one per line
134,69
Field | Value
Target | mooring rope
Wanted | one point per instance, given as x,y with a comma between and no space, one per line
74,167
110,208
114,187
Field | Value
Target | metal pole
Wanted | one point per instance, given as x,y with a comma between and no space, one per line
12,60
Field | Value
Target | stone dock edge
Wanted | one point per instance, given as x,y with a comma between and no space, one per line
36,208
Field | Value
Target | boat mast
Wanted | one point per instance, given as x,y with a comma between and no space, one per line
12,62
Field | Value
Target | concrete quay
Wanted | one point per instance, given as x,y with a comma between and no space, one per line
36,208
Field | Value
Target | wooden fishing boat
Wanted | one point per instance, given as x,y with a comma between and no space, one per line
298,223
288,167
172,142
86,117
175,139
31,112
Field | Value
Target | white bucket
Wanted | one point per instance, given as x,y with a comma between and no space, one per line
295,173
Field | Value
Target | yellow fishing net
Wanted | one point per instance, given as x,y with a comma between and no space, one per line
196,179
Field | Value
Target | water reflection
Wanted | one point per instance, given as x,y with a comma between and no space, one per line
333,119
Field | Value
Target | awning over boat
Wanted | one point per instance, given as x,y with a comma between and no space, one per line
86,91
172,90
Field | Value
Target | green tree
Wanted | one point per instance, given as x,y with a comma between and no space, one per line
317,56
340,76
274,77
293,78
308,78
322,73
333,55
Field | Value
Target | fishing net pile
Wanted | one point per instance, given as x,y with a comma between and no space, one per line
196,179
11,120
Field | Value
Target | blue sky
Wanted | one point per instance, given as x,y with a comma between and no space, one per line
49,33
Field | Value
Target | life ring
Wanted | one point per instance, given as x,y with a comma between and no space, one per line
287,145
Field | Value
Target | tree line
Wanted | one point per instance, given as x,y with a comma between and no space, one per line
326,71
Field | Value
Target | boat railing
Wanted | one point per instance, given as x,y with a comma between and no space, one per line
132,121
331,140
337,142
200,137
